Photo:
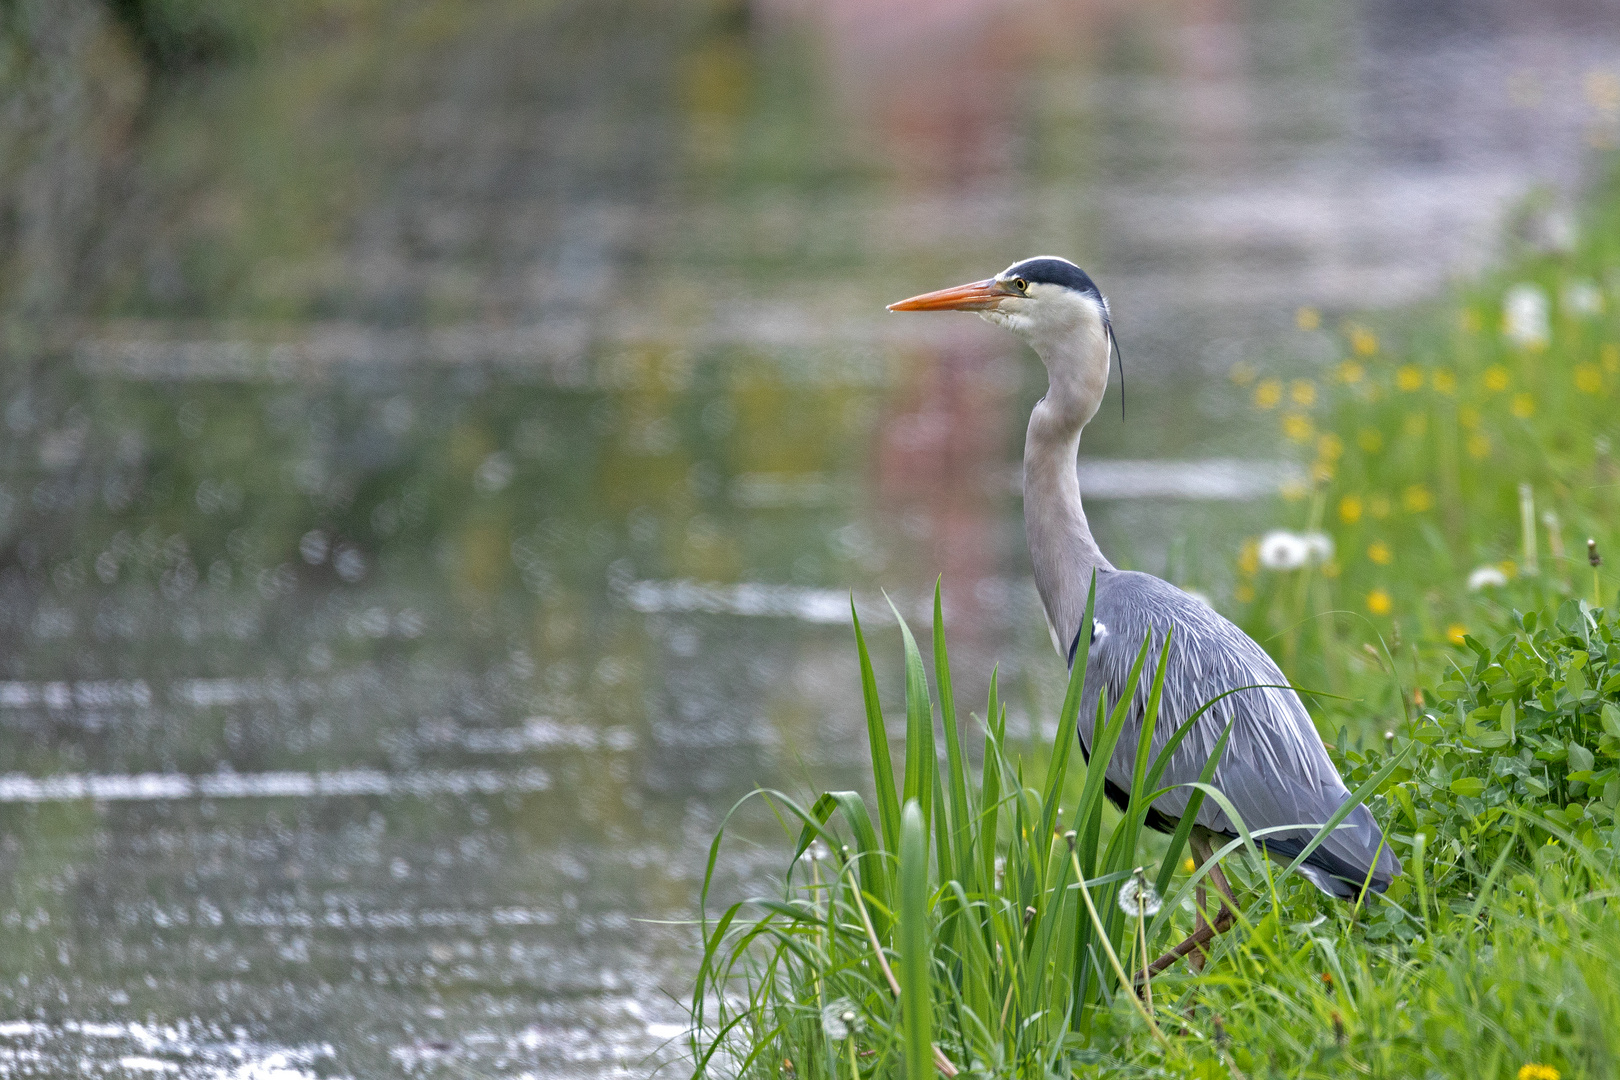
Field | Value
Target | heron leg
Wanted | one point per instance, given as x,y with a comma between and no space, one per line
1203,932
1204,851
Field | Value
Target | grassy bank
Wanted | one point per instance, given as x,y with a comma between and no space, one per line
1459,459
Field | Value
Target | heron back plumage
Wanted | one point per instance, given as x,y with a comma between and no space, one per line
1275,769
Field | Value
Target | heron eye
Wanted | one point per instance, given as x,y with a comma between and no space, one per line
1021,285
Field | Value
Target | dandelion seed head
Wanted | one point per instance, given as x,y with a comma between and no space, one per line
816,852
1283,550
840,1019
1138,898
1486,577
1581,298
1525,316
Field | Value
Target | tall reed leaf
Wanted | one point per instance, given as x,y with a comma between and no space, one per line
961,813
1068,729
877,741
916,997
921,770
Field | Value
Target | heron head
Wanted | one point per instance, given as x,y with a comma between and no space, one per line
1049,302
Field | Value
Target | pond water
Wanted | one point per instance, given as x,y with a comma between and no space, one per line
375,679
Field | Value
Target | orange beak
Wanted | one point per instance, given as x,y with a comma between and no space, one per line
974,296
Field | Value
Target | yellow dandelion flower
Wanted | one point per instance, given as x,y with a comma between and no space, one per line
1456,632
1351,372
1322,471
1303,391
1524,406
1350,509
1330,447
1249,557
1307,318
1297,426
1589,378
1364,342
1378,602
1187,865
1496,378
1242,373
1380,553
1479,447
1370,439
1243,594
1417,499
1468,416
1378,506
1534,1071
1444,381
1268,393
1409,378
1509,568
1610,355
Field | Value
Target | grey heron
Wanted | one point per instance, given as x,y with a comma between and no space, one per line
1275,769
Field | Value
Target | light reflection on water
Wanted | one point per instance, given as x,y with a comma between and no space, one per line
373,686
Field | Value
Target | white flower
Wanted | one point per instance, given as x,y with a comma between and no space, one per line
1283,550
1524,315
1484,576
1319,546
1581,298
1136,897
816,852
839,1019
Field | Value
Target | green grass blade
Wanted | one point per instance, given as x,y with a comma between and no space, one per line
1121,853
877,738
921,770
916,998
961,813
1068,730
1195,802
871,858
1102,751
990,787
1357,797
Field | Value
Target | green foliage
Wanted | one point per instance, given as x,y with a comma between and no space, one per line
1531,727
980,934
175,35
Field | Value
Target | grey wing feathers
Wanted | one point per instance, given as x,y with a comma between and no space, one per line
1275,769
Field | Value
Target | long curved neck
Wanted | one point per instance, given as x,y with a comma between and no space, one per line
1061,546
